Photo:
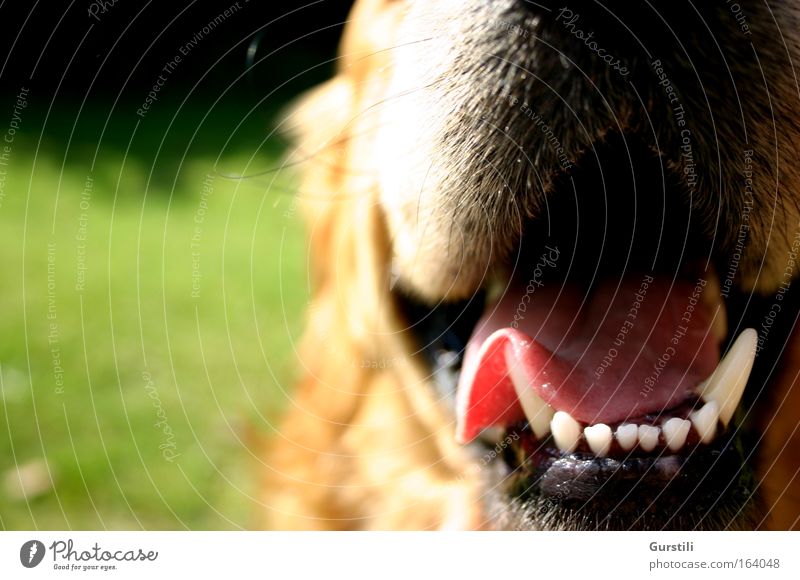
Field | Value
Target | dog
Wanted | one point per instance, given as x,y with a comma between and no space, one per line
552,248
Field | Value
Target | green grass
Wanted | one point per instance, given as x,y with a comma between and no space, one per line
219,360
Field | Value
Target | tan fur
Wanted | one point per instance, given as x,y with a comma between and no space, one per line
361,448
371,448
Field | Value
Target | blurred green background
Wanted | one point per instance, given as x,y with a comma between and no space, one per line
151,299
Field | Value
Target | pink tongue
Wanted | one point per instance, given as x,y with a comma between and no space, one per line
620,351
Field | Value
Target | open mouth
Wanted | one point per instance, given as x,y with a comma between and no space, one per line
611,403
604,372
630,367
615,406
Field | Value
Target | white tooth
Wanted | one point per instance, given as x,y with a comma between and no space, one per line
726,384
566,431
627,436
599,438
536,410
705,421
675,432
648,437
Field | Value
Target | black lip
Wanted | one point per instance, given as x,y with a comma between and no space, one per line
711,488
663,491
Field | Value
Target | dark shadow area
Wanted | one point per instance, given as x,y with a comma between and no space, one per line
161,82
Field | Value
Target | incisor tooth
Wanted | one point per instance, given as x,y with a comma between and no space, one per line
648,437
627,436
726,384
599,438
566,431
536,410
705,421
675,432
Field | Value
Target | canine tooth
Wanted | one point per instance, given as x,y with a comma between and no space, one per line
705,421
599,438
726,384
566,431
627,435
648,437
536,410
675,432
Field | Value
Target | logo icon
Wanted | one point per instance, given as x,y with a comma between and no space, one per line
31,553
